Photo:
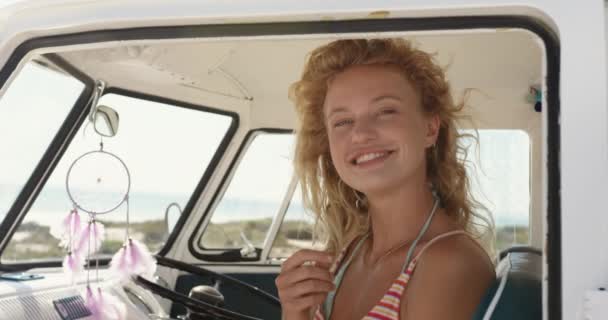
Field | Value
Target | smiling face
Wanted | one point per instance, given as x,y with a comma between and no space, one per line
377,131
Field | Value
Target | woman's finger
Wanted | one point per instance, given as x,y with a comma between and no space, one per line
292,277
317,258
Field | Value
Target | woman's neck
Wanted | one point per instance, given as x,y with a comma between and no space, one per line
397,217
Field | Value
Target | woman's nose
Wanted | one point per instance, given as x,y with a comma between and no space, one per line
363,131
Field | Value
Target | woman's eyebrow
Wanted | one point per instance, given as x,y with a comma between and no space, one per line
336,110
386,96
376,99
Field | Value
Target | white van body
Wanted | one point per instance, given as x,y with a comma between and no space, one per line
582,260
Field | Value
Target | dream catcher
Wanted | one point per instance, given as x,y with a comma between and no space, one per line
98,184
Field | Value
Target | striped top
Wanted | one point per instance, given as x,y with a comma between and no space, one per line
388,308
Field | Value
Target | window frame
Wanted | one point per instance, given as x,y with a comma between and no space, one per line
54,152
205,177
278,220
547,36
215,160
232,254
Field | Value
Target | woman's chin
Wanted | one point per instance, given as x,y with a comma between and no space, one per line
376,186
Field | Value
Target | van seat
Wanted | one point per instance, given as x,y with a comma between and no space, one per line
517,291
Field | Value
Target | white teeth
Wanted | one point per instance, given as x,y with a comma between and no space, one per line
369,156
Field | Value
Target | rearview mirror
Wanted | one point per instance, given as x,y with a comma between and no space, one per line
106,121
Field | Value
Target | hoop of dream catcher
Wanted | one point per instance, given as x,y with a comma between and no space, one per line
86,156
108,183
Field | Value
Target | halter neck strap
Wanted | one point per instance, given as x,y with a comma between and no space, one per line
421,233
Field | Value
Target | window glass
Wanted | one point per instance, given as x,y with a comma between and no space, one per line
254,196
499,170
32,109
166,150
296,232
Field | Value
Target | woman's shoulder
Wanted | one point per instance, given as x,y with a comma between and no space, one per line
456,249
454,272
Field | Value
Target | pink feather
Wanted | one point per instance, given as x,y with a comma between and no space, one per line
119,264
90,301
111,306
142,261
73,265
104,306
69,227
133,258
93,232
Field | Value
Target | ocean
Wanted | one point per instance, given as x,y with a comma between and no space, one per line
53,204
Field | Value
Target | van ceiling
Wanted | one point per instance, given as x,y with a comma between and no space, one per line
255,73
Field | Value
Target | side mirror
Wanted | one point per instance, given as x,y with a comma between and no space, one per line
171,216
106,121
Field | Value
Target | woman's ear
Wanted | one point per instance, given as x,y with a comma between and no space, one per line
432,132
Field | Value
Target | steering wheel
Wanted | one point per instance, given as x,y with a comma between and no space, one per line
201,306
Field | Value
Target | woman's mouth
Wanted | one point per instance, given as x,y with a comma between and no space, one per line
371,157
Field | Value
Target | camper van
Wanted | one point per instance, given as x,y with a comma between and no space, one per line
177,139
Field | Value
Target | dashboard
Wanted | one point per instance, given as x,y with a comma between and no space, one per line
49,294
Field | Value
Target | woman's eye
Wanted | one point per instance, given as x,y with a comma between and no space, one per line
342,123
388,111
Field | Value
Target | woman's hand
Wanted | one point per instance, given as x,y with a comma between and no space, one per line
303,283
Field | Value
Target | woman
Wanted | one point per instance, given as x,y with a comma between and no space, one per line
376,154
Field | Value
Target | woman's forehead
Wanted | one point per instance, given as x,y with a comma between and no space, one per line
365,84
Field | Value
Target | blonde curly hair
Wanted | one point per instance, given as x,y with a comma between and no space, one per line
323,192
